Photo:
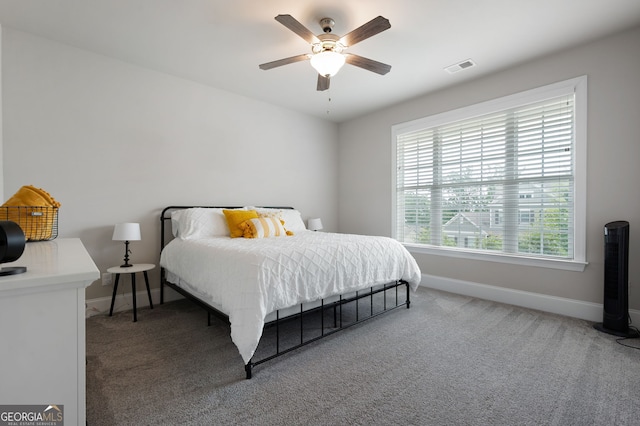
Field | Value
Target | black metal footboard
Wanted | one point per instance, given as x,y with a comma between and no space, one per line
312,323
340,319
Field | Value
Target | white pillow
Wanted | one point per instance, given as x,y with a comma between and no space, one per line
292,218
198,222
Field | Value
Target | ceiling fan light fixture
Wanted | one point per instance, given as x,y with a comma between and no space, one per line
327,62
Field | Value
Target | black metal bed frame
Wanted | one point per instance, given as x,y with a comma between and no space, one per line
335,307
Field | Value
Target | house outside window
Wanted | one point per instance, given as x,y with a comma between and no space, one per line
503,178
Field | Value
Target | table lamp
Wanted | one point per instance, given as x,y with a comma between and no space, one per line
315,224
126,232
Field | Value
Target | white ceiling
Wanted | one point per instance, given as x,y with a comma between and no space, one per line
221,42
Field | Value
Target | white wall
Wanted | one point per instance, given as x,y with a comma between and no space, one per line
115,142
613,68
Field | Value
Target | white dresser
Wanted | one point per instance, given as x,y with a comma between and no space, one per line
42,327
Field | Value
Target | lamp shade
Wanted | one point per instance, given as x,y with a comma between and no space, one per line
327,63
126,232
315,224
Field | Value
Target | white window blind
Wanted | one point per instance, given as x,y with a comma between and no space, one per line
499,182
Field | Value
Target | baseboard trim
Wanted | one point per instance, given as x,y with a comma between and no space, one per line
542,302
124,301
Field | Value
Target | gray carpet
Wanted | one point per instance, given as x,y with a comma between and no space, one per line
449,360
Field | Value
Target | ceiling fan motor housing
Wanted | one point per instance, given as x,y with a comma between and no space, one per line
328,42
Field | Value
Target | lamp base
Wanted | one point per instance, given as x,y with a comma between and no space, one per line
12,270
126,255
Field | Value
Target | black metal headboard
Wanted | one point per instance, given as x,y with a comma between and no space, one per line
166,215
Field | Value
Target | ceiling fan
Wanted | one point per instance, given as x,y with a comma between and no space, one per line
327,49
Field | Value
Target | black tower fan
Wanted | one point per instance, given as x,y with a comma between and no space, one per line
616,280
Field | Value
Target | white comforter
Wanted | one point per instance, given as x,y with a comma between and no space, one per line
249,278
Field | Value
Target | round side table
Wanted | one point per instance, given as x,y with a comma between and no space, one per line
132,270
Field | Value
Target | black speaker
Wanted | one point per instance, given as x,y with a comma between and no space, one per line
12,242
615,318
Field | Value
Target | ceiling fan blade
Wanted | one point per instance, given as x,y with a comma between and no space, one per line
285,61
371,28
323,83
367,64
295,26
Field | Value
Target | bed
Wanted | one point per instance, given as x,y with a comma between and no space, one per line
271,279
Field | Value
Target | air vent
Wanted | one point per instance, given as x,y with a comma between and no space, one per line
452,69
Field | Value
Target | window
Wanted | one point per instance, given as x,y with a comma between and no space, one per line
505,178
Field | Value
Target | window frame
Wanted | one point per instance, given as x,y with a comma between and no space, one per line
578,86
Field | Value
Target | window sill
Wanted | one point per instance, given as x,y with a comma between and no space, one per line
566,265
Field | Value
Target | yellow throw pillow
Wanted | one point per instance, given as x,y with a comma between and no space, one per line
235,218
263,227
